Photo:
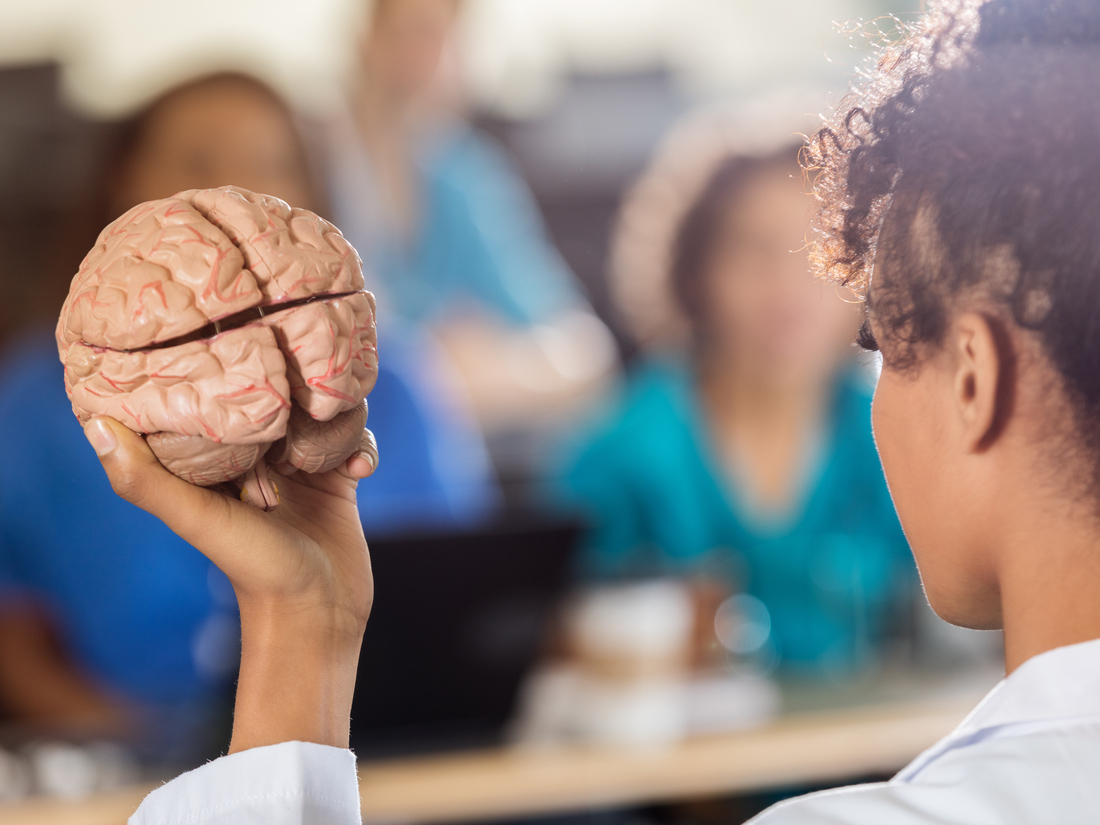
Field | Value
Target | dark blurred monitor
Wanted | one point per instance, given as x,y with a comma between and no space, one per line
458,620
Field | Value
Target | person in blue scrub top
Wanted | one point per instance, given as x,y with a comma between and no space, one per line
108,620
477,242
749,457
456,243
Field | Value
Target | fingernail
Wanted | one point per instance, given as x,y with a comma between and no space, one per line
101,438
367,457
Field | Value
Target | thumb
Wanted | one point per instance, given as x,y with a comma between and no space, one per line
137,476
130,465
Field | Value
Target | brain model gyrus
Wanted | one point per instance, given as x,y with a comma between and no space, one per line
230,328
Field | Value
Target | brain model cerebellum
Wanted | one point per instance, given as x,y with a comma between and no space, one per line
230,328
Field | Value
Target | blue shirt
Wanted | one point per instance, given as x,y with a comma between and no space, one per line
647,480
479,240
433,467
140,610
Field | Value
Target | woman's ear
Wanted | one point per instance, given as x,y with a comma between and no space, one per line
979,380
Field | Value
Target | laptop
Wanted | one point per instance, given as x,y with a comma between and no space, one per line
458,620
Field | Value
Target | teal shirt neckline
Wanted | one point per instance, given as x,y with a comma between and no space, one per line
811,494
659,504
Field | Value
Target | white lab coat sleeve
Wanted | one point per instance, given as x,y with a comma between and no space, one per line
292,783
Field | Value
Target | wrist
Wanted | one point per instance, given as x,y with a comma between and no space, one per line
297,678
319,618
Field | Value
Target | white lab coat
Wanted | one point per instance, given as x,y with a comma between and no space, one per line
1029,754
294,783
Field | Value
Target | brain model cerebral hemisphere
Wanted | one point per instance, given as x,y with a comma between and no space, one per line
230,328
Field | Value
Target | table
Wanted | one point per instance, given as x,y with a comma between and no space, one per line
810,746
799,750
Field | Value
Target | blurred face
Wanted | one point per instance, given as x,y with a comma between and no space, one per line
406,41
216,134
770,315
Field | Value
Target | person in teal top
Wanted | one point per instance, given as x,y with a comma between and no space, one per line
480,239
750,458
829,572
452,235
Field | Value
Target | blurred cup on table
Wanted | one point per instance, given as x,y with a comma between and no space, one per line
633,646
647,664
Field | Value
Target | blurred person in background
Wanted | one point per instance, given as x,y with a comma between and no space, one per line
746,456
454,234
105,614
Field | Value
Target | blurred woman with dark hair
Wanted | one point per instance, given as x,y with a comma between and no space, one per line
107,618
751,457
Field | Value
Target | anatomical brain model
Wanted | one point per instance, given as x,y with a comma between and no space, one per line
230,328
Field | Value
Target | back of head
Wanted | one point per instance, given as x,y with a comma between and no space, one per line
965,174
1054,23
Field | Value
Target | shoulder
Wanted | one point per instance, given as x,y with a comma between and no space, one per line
853,392
410,407
1047,777
473,167
416,372
657,393
30,359
456,147
855,389
650,415
32,381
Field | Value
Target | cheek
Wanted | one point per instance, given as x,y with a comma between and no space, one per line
887,421
900,417
753,310
921,473
730,305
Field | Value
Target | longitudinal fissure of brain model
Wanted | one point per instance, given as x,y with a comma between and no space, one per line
230,328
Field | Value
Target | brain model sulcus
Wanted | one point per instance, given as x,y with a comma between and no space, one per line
230,328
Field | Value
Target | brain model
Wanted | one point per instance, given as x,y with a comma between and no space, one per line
230,328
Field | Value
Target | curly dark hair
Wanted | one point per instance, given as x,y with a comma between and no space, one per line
965,169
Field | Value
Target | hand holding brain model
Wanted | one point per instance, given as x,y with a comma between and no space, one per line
230,328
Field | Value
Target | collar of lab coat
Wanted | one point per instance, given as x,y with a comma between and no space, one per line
1058,688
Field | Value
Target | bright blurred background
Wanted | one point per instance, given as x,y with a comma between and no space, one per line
628,497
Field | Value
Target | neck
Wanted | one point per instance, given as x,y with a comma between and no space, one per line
752,396
759,427
1050,585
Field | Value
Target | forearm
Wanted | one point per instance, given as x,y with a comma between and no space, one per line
302,577
518,375
297,676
